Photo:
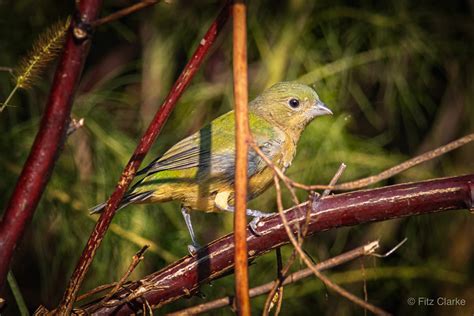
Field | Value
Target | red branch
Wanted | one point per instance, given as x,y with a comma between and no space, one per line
132,166
51,135
184,277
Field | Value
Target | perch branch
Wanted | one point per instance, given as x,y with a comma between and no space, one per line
49,139
143,147
184,276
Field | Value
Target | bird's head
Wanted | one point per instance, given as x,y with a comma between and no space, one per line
289,105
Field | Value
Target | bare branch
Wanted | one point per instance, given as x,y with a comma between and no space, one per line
124,12
184,277
352,185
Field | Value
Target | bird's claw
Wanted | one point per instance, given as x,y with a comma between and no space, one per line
253,223
193,249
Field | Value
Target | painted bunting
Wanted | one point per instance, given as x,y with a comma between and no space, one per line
199,170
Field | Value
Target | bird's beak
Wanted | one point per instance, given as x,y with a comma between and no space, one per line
321,109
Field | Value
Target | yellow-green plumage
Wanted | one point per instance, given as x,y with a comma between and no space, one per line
197,185
199,170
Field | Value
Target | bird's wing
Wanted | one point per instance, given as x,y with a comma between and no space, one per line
212,149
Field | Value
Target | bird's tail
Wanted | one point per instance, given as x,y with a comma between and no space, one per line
127,199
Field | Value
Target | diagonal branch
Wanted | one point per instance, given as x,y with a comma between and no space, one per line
51,135
132,166
214,260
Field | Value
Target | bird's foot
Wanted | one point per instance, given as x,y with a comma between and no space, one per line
193,248
257,216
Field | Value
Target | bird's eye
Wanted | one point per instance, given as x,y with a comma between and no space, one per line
294,103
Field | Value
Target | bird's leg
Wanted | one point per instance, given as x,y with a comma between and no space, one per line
187,218
222,204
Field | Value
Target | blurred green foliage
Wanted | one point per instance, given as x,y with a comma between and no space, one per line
397,74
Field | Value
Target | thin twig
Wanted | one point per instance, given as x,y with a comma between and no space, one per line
241,132
364,286
365,250
133,164
292,258
341,291
7,69
334,179
278,297
351,185
135,261
396,169
96,290
124,12
388,253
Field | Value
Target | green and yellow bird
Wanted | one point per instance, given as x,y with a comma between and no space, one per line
199,170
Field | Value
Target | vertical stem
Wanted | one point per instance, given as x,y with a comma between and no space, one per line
10,96
131,168
20,302
242,135
50,137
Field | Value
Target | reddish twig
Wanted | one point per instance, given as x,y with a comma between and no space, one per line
365,250
96,290
184,276
50,138
132,166
241,136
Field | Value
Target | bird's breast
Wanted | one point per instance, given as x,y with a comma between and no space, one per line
260,181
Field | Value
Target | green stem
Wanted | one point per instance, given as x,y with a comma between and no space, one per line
8,98
17,294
